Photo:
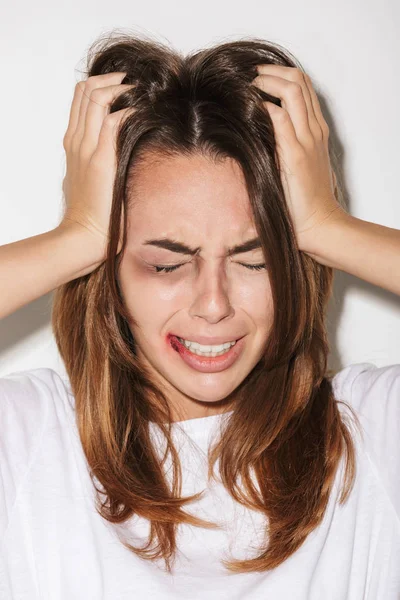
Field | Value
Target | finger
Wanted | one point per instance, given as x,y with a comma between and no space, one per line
105,153
98,108
317,108
90,84
285,134
298,77
312,120
292,100
73,114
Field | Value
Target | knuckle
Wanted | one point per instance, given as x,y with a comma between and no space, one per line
97,161
300,155
294,89
325,129
85,150
66,142
307,78
74,145
80,86
88,86
91,82
311,141
282,116
296,74
111,120
99,81
317,134
97,94
320,136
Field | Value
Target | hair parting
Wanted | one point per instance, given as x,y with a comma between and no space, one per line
286,433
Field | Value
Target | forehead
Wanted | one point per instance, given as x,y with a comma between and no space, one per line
189,195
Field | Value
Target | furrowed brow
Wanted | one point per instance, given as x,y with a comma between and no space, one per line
175,246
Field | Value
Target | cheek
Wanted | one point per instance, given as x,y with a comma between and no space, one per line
261,312
151,297
255,297
146,300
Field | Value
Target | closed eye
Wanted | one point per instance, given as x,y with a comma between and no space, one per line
162,269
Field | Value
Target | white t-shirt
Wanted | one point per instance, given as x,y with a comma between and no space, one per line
54,545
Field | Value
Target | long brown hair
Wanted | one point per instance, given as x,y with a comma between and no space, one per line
286,427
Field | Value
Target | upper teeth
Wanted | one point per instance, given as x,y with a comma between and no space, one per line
202,348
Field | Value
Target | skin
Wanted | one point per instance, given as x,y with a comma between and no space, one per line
324,231
203,204
199,203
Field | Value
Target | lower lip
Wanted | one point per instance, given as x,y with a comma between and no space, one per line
207,364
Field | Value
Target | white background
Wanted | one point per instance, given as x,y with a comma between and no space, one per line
349,47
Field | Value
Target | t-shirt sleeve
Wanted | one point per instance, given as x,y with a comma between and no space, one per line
27,403
374,393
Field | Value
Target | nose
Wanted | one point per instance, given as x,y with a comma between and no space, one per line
211,291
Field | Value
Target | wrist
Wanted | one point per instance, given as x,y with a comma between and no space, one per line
86,251
325,241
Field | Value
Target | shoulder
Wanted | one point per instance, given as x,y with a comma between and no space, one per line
39,379
374,393
31,395
31,402
368,388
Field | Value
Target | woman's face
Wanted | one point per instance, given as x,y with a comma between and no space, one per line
205,207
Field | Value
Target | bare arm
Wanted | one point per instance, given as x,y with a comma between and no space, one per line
367,250
324,230
34,266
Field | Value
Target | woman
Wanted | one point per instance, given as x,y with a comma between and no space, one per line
193,264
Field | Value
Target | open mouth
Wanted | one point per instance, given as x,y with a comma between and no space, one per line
207,361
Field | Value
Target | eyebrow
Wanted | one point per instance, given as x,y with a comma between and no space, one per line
175,246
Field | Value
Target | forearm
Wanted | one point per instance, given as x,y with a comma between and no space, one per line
34,266
367,250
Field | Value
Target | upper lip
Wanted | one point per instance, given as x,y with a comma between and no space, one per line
209,341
